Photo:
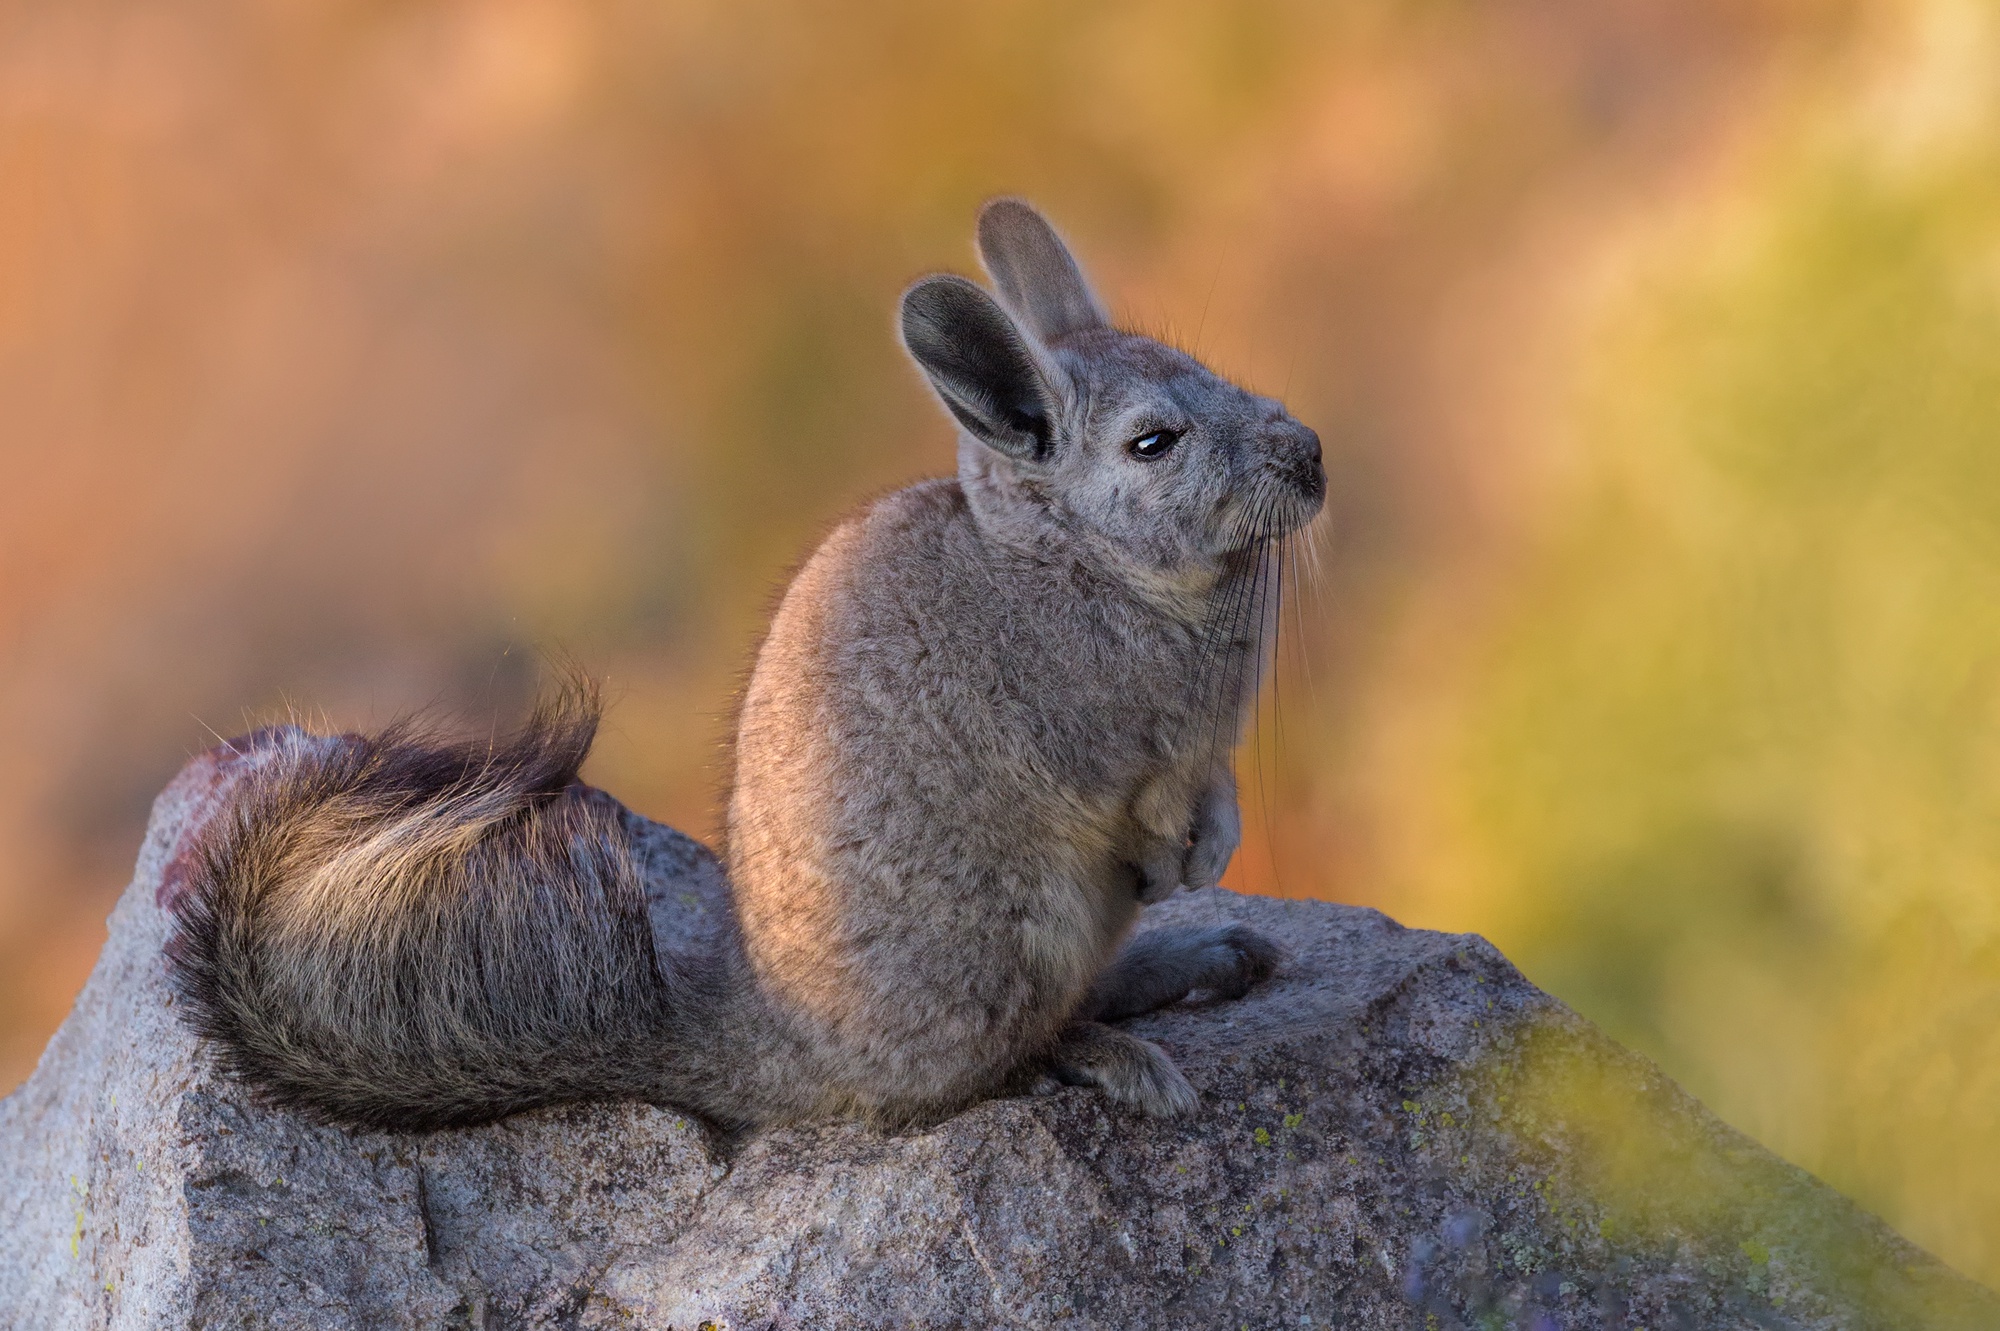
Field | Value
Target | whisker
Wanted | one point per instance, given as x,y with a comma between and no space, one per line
1229,607
1263,792
1206,644
220,738
1301,648
1211,662
1316,535
1229,717
1242,637
1203,324
1279,561
1218,681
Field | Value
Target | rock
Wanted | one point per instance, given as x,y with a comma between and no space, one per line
1398,1131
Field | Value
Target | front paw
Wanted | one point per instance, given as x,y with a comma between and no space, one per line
1207,859
1217,832
1160,873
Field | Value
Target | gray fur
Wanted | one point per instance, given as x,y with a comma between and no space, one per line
993,715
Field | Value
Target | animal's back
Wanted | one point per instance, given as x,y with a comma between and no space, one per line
917,863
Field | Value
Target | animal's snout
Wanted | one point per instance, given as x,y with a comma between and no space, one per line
1309,437
1296,451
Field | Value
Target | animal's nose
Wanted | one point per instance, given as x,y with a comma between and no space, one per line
1298,444
1290,435
1312,443
1297,449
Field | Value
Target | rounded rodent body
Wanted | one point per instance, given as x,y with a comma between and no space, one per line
991,719
931,867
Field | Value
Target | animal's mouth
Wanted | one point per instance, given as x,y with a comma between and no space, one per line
1291,496
1308,477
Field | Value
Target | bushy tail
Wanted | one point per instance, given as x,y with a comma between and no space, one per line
408,932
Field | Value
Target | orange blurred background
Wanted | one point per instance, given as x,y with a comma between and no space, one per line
353,353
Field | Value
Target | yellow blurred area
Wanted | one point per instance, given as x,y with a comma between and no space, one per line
352,353
1718,761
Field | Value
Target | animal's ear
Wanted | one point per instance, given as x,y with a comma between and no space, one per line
1037,277
986,372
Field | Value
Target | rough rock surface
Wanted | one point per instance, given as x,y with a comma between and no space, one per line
1398,1131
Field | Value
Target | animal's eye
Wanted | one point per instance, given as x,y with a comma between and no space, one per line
1155,445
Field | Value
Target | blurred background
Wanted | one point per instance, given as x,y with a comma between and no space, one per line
353,353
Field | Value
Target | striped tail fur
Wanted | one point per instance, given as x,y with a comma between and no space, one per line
405,931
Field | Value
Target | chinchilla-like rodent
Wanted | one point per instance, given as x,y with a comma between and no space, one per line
992,718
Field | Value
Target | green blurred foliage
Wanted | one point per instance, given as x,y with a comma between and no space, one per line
1731,757
1625,1183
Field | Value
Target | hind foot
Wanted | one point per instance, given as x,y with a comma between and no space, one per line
1129,1070
1162,966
